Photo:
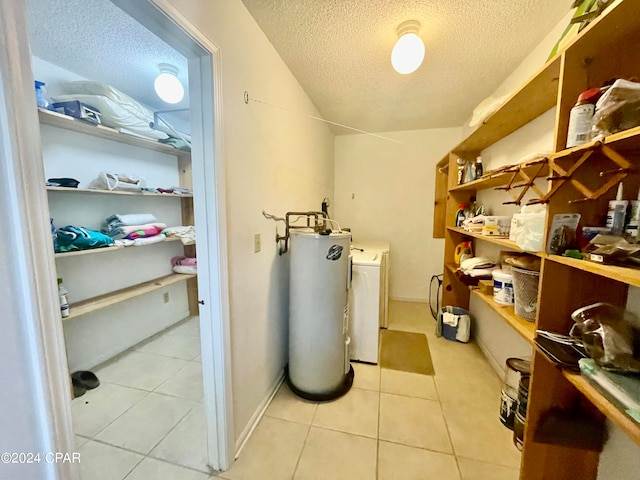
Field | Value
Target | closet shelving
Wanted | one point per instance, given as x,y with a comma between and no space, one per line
103,301
608,48
57,120
106,249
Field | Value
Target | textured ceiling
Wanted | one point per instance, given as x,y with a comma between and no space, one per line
339,50
98,41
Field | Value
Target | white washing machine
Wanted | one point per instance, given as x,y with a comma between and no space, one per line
365,306
385,270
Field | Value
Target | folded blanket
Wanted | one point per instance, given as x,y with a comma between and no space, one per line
186,269
72,238
118,233
139,242
186,233
144,232
111,224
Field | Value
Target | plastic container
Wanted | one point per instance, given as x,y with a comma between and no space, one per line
479,168
525,291
462,252
64,299
580,118
461,215
502,287
41,99
617,213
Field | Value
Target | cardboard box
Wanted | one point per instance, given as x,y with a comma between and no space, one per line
486,287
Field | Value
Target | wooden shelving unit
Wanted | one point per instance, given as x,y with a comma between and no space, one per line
92,251
47,117
92,191
103,301
526,329
608,48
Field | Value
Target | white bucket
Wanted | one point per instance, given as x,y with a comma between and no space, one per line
502,287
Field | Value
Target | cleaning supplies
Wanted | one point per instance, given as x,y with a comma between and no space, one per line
64,299
580,117
479,168
617,213
461,166
461,215
631,230
462,252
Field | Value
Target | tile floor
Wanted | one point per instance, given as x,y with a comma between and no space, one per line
146,420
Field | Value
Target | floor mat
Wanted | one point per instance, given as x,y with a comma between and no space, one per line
406,351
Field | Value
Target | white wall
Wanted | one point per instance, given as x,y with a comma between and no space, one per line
385,190
276,161
619,460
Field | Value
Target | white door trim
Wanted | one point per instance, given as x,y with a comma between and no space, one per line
205,89
28,235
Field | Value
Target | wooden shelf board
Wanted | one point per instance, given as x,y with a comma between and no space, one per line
612,412
621,141
116,192
499,179
629,275
537,96
103,301
526,329
108,249
503,242
55,119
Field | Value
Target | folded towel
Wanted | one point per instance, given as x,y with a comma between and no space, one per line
186,269
72,238
124,231
450,319
139,242
186,233
130,219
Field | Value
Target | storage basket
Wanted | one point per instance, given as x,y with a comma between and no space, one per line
525,291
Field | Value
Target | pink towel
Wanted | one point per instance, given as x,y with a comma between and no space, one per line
144,232
182,260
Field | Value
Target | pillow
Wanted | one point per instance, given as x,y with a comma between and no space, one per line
131,116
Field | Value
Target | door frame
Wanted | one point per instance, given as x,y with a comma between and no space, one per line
45,340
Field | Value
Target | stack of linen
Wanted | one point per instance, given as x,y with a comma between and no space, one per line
135,229
187,265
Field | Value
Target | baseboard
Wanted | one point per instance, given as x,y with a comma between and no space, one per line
257,416
410,299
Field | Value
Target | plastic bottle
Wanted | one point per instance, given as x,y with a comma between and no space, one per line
461,163
580,118
617,213
461,215
479,168
64,299
469,172
41,99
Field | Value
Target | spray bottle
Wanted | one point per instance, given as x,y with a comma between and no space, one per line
617,213
632,229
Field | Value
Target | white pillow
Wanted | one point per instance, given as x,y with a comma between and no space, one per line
132,116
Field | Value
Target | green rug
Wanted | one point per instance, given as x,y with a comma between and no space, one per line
406,351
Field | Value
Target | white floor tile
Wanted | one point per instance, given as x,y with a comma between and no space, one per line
337,456
408,384
143,426
186,444
271,453
189,327
181,346
187,383
356,412
99,407
366,376
477,470
400,462
103,462
288,406
140,370
151,469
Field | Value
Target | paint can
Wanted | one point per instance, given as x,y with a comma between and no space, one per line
515,370
502,287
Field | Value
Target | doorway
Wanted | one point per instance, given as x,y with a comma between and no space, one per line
208,206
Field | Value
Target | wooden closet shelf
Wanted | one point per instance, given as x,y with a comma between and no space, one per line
629,275
502,241
103,301
108,249
603,404
58,120
502,178
115,192
524,328
621,141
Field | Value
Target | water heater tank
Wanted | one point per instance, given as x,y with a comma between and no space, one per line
319,367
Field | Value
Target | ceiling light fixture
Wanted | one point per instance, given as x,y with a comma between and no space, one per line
408,52
167,85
